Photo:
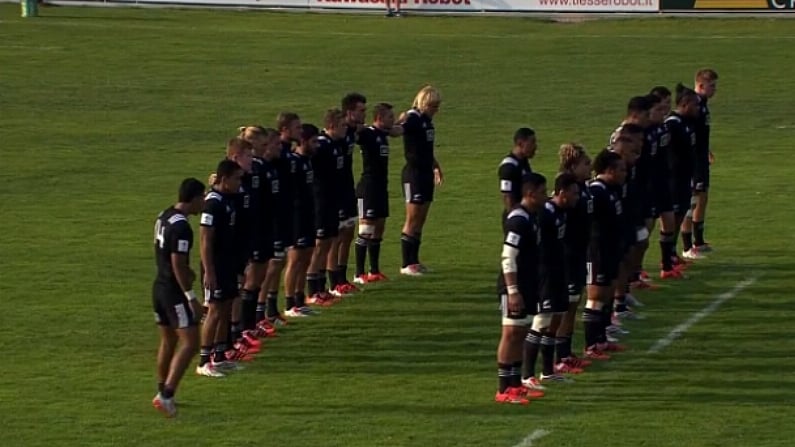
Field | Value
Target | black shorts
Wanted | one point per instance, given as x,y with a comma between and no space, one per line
283,234
303,235
373,202
663,202
523,318
226,287
172,307
576,274
327,224
417,186
602,266
261,249
349,209
553,294
701,180
682,200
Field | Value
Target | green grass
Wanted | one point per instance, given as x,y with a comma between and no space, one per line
103,111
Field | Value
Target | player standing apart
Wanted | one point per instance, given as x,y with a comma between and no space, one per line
177,310
420,174
372,193
515,166
517,287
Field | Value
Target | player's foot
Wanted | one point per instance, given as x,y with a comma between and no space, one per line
615,321
399,14
227,365
319,299
616,330
361,279
250,339
679,263
672,274
576,362
642,285
308,311
294,312
166,406
693,254
559,378
612,338
533,383
350,288
277,320
246,349
411,270
265,329
644,275
376,277
390,13
705,248
632,301
341,290
237,354
565,368
629,315
511,396
594,353
208,370
611,347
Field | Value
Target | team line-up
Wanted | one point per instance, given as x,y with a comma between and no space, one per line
284,204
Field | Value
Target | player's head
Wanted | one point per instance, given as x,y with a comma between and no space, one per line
534,191
706,82
428,100
354,105
228,176
383,116
663,106
240,151
273,147
289,126
686,101
638,110
627,148
524,141
567,190
257,136
574,160
191,194
633,132
334,124
307,143
610,167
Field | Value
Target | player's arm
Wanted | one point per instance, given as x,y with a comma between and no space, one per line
411,137
509,257
507,186
209,220
438,175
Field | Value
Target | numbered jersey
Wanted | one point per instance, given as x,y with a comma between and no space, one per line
553,233
173,235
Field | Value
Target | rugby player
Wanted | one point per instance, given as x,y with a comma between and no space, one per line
514,166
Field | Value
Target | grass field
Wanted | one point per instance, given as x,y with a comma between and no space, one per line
103,111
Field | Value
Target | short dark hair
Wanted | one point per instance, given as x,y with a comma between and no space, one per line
605,160
523,134
631,129
660,92
684,94
639,104
350,100
706,74
332,117
226,169
380,110
308,131
189,189
532,181
563,181
285,118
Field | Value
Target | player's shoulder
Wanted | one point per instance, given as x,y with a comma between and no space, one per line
509,161
213,196
673,120
518,214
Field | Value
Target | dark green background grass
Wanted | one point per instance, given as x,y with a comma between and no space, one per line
103,112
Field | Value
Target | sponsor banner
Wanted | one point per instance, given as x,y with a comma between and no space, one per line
747,5
408,5
578,5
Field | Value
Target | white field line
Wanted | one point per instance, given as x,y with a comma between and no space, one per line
698,316
532,437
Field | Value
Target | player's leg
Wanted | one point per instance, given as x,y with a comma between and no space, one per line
236,313
374,248
346,236
366,230
290,276
220,344
304,259
668,246
183,327
699,215
509,356
269,295
689,249
214,303
316,272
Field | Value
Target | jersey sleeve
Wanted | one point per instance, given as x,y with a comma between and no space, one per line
212,214
181,238
507,173
515,230
412,135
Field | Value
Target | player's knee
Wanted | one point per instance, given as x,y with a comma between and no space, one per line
574,298
541,322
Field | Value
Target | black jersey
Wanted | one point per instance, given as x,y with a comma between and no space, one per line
301,183
702,128
660,171
374,147
328,164
578,224
172,235
522,233
220,214
511,171
347,181
682,148
268,203
607,221
552,260
418,141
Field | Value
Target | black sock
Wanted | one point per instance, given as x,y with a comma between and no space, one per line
333,278
667,251
361,254
261,309
407,248
167,393
563,347
687,241
204,354
607,320
548,355
272,304
300,299
312,283
160,387
220,349
515,380
375,255
343,269
532,343
289,302
321,281
698,232
504,375
620,303
592,323
236,330
418,239
249,310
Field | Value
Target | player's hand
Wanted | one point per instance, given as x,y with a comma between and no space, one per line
515,302
401,119
711,157
438,176
197,309
210,282
211,179
396,131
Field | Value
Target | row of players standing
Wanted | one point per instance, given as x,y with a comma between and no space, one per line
592,233
284,202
